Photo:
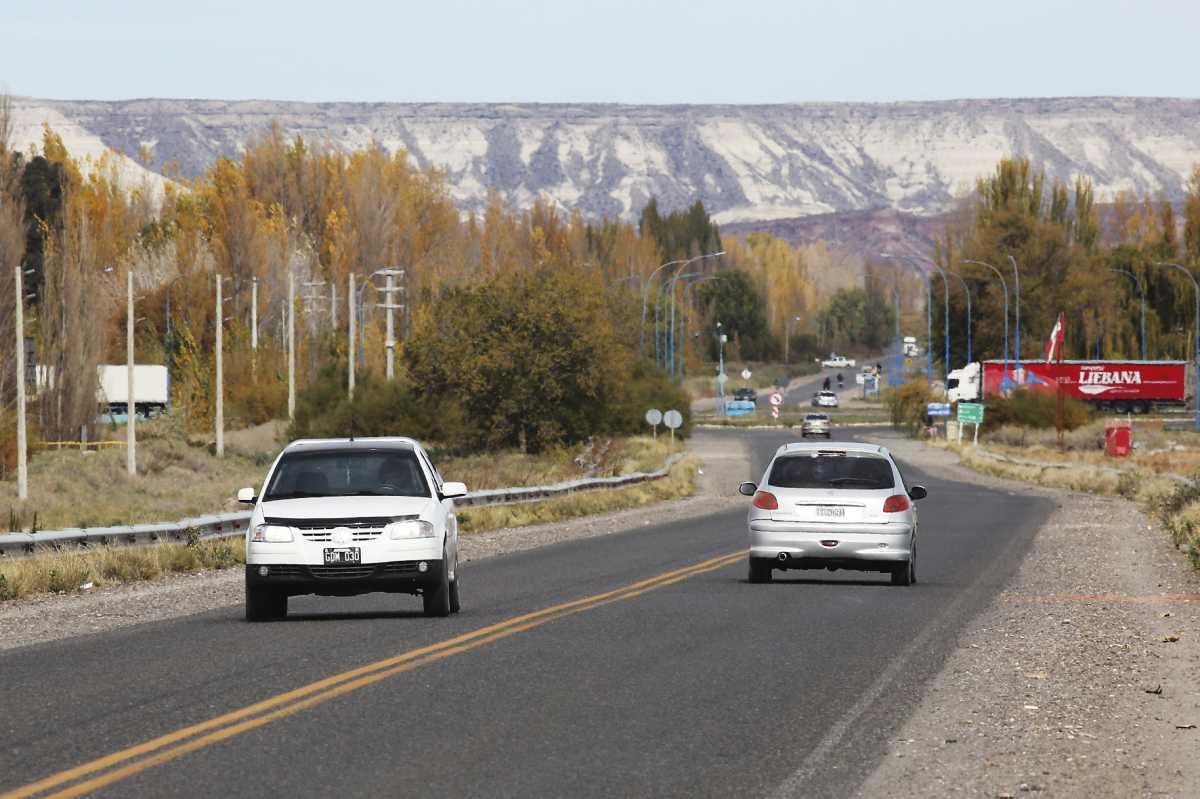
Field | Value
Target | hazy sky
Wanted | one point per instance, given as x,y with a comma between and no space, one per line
633,51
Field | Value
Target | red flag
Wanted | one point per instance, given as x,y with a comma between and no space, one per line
1055,344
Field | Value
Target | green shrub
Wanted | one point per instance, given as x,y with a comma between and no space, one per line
908,406
1036,409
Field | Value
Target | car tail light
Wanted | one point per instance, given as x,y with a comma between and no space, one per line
765,500
896,503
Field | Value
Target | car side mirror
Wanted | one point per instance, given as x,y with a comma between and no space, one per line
918,492
747,489
247,496
452,490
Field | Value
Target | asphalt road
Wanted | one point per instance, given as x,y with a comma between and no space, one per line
692,684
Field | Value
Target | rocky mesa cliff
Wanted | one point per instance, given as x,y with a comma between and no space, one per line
744,162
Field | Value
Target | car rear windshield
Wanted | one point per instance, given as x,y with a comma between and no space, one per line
348,473
832,471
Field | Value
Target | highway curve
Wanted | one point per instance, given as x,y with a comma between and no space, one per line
635,664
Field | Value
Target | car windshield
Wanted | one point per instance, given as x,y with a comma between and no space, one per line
816,417
831,471
348,473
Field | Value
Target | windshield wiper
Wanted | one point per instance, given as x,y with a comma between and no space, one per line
291,495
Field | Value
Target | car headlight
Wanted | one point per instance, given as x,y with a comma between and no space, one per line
271,534
409,528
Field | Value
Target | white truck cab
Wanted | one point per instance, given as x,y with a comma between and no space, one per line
963,385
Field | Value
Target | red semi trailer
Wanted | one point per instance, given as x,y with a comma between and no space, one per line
1121,386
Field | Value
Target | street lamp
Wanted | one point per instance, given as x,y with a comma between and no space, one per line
1142,291
1017,309
787,338
645,299
967,291
929,313
1196,331
670,359
668,341
1004,287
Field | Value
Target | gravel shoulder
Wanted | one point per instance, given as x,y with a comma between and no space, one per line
50,618
1069,683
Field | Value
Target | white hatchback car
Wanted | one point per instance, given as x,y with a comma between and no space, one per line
340,517
836,505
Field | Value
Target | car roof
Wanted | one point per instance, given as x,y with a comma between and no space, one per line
810,447
351,444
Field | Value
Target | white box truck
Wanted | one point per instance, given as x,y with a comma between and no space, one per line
151,389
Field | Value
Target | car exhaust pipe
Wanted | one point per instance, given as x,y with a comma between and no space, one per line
783,556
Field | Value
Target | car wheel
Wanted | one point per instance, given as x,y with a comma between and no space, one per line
760,570
905,573
436,597
455,604
263,604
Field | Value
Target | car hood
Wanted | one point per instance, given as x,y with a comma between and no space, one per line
346,507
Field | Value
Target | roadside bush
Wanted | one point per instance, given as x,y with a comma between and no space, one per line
379,408
1034,409
907,405
1090,437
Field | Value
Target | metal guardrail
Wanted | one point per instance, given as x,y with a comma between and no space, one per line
229,525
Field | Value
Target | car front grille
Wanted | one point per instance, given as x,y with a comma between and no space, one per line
362,528
356,572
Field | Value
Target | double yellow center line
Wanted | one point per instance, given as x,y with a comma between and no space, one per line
96,774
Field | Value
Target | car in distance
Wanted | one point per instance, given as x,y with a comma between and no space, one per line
815,424
746,395
825,399
835,361
833,506
345,516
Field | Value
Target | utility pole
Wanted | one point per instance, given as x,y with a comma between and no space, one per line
22,473
254,328
353,321
130,405
390,305
291,344
333,305
220,373
391,332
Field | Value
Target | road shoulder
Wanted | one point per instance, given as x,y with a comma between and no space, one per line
1081,679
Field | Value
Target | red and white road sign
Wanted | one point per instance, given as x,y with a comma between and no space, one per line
776,399
775,412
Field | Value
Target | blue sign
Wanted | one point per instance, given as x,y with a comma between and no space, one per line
939,409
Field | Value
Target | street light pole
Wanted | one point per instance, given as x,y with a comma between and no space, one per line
682,320
668,340
645,300
1195,331
966,291
1004,287
671,340
1017,289
1142,291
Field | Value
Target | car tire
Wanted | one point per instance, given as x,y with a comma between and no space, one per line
905,573
760,570
263,604
455,603
436,597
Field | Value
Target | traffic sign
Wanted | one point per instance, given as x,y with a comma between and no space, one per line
970,413
776,398
721,378
745,374
938,409
775,412
860,378
673,419
654,416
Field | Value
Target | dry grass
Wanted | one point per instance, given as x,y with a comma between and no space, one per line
175,480
599,458
55,572
679,483
1175,505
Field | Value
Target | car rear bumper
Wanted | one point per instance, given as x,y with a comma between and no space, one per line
399,577
828,544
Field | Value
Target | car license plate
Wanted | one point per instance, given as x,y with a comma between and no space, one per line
828,512
339,557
